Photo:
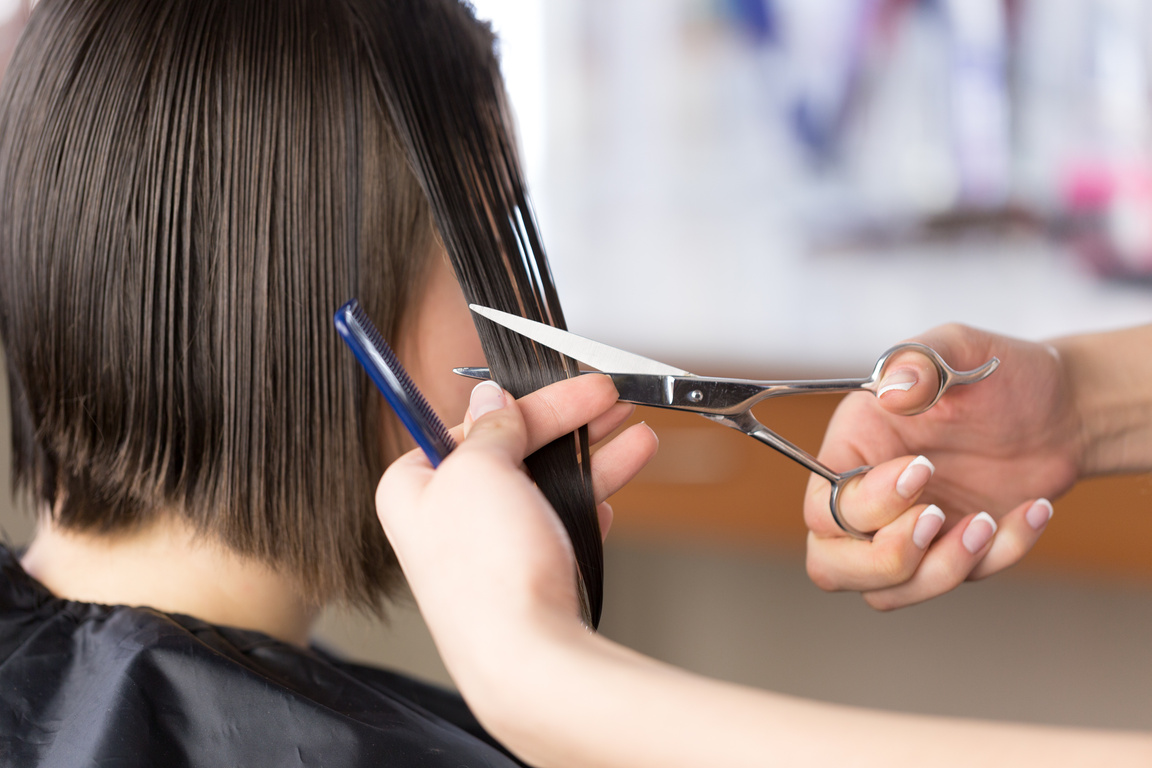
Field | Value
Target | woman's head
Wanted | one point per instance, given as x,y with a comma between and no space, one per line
188,188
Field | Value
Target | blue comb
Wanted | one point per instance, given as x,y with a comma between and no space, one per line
378,359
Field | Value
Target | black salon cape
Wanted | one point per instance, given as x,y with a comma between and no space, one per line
116,687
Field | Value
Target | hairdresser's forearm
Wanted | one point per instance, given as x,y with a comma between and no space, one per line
579,700
1110,378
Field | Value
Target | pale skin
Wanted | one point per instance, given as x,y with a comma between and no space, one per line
1053,413
491,571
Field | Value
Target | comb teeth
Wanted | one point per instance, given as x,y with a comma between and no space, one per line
393,362
428,418
394,382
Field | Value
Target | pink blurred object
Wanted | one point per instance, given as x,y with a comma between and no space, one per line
1111,208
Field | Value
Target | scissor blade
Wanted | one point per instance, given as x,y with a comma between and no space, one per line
469,372
656,390
594,353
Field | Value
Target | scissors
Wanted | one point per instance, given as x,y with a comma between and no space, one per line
729,402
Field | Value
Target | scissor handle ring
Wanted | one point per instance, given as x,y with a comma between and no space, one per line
834,503
949,376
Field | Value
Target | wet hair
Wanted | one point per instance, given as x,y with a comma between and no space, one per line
453,117
188,189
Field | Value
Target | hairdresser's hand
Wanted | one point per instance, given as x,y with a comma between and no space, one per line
483,551
1000,446
493,573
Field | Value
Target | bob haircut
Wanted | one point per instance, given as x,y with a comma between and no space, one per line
188,189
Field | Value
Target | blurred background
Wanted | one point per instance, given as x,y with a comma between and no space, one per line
780,188
803,182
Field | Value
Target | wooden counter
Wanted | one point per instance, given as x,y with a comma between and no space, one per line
714,485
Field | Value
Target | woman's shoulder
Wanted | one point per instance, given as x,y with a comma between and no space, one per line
83,683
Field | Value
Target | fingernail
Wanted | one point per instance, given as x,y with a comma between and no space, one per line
901,380
487,396
979,533
1039,514
928,525
914,477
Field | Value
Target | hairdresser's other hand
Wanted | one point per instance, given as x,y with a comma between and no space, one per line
483,551
1001,446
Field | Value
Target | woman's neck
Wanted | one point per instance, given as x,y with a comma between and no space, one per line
169,568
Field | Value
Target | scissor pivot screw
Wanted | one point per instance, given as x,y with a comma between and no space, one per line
695,396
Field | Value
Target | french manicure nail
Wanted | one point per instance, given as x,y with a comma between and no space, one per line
979,533
1039,514
487,396
928,525
901,381
914,477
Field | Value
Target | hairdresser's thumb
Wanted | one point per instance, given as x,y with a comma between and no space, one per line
908,383
911,381
494,422
487,397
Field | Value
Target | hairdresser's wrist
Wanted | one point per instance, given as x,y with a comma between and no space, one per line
575,698
511,679
1107,375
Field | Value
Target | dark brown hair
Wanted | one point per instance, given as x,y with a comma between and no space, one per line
453,118
188,189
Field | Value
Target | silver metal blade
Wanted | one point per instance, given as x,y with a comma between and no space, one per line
469,372
593,353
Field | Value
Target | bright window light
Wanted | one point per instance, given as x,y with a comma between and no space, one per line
8,9
520,27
